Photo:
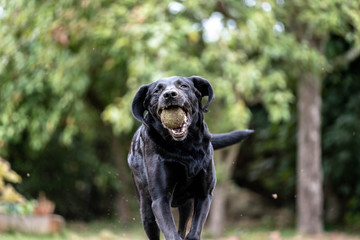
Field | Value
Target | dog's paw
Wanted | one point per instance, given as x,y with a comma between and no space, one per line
191,237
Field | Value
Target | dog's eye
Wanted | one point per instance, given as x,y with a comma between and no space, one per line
157,91
184,86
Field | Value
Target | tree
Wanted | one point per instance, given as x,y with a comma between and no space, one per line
309,164
264,167
57,76
301,43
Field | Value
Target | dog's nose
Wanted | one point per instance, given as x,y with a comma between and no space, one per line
170,94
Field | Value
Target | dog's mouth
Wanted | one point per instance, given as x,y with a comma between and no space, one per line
176,119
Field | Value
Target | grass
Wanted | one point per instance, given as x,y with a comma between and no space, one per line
98,230
113,230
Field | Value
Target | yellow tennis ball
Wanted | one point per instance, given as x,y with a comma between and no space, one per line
173,117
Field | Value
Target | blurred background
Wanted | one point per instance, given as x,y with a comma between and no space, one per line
288,69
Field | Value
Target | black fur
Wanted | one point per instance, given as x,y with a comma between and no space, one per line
226,139
174,167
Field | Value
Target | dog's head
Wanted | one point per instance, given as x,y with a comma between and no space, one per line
173,92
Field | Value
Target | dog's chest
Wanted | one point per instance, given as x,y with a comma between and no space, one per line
192,162
189,187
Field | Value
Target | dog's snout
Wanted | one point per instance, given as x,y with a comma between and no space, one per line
170,94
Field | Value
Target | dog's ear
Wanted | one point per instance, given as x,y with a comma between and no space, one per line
204,88
138,104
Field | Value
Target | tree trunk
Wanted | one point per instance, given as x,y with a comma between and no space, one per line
309,167
122,205
218,210
224,161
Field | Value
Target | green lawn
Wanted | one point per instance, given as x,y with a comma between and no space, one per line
105,230
100,230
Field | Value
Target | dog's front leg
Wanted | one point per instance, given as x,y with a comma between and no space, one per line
162,211
202,207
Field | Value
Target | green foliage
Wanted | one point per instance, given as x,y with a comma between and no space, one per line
236,75
58,71
39,76
268,159
341,135
75,177
25,208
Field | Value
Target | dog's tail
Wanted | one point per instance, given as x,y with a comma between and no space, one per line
226,139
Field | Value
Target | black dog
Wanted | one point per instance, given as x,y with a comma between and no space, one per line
174,167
